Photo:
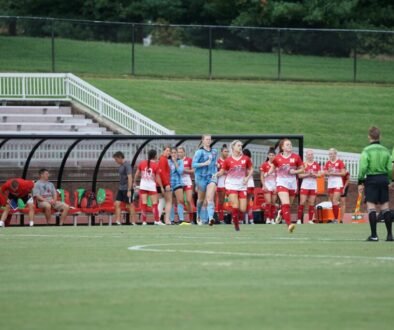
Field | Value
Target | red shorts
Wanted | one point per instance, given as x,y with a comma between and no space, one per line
148,192
308,192
291,192
269,192
250,191
334,190
187,188
240,193
221,189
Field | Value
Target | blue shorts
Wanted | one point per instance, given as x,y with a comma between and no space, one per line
203,182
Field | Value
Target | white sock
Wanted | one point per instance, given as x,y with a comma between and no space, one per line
1,223
160,206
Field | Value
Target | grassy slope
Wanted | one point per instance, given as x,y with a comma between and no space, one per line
329,115
85,278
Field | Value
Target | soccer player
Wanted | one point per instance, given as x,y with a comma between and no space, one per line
239,169
335,170
287,165
250,192
374,177
164,181
308,187
345,181
46,195
187,180
18,188
268,182
221,190
205,168
125,191
147,169
176,171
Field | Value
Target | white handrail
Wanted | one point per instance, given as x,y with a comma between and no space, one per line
69,86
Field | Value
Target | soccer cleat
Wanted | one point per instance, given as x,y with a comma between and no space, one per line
159,223
311,222
335,222
144,223
184,223
389,238
251,222
31,223
2,224
199,222
299,222
118,223
268,221
278,218
291,228
372,239
222,223
236,225
211,222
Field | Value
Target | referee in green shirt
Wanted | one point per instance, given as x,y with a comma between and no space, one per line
375,176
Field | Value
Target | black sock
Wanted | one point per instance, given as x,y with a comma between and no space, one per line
372,223
388,222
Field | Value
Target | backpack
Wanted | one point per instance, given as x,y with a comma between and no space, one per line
88,200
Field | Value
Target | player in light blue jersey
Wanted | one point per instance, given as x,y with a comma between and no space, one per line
205,169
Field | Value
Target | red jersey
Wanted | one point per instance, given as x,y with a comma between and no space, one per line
345,178
148,175
221,179
236,172
283,166
310,182
164,171
334,181
25,187
186,178
269,180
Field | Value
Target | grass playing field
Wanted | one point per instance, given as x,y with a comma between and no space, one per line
320,277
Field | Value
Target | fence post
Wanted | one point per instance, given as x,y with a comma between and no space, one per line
210,52
132,50
53,45
279,55
355,59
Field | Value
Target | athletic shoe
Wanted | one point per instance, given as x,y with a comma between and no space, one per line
184,223
199,223
251,222
211,222
311,222
31,223
291,228
2,224
118,223
372,239
299,222
222,223
159,223
268,222
335,221
236,226
278,218
144,223
389,238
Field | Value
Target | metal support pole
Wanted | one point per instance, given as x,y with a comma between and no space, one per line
355,60
279,56
210,52
133,49
53,45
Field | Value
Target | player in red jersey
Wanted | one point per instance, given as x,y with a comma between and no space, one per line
147,169
164,181
221,190
187,180
287,165
15,189
239,169
345,181
308,189
248,217
268,182
335,170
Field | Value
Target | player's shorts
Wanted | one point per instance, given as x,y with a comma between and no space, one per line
334,190
376,189
176,188
291,192
250,191
242,194
58,205
187,188
121,196
203,182
308,192
14,199
344,193
148,192
220,189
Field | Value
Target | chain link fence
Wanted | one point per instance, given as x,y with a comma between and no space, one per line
123,49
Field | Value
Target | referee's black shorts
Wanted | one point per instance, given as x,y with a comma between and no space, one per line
377,189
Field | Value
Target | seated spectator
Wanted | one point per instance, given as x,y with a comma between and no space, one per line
18,189
46,197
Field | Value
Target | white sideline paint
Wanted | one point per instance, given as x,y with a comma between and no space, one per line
149,248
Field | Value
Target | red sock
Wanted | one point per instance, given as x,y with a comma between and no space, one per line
268,211
273,210
335,210
250,213
235,215
143,212
221,212
155,210
286,213
300,212
311,211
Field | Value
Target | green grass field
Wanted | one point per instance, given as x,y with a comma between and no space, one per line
114,59
320,277
327,114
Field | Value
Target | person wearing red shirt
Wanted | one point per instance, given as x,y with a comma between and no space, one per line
335,170
239,169
221,191
248,217
15,189
345,181
308,187
147,169
268,183
164,181
287,165
188,171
